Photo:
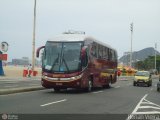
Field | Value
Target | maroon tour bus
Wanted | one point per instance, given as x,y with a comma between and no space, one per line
75,60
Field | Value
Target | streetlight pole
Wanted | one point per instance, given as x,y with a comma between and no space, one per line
34,31
131,28
155,54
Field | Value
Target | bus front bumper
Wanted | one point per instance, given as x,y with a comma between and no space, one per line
61,84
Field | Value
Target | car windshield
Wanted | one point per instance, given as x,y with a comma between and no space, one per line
62,56
146,74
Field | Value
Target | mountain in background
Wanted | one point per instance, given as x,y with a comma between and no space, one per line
138,55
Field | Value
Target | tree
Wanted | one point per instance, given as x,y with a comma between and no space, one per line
148,63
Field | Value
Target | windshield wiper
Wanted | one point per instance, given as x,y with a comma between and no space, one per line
65,63
56,61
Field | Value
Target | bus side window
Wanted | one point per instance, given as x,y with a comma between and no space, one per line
107,55
85,59
100,50
112,52
115,56
110,55
104,52
94,53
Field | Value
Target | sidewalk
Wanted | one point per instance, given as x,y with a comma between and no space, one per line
9,85
16,78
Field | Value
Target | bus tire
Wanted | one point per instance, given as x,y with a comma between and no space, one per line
56,89
90,86
105,86
109,85
158,89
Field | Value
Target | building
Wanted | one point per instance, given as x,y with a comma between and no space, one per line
23,61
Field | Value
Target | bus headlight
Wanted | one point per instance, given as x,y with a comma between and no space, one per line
73,78
76,77
44,77
63,79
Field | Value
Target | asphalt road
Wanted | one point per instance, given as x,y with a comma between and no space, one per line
17,85
121,98
19,82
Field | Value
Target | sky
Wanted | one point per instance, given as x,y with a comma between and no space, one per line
106,20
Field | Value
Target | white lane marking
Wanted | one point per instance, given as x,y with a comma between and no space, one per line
136,108
97,92
148,102
150,107
146,105
117,87
53,102
145,113
138,105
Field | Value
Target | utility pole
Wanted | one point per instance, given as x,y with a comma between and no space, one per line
155,54
131,28
34,31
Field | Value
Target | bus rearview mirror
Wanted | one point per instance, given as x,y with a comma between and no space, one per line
38,50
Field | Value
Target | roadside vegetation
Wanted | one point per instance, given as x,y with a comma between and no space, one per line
148,63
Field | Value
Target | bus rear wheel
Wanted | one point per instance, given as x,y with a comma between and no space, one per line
158,89
107,86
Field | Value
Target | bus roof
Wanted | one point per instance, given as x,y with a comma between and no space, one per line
78,37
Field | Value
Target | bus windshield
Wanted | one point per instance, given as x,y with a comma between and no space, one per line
62,56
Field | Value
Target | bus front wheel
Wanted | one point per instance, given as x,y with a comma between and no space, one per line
90,86
56,89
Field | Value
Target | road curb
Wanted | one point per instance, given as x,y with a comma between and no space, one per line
18,90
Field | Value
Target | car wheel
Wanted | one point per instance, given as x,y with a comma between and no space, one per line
134,84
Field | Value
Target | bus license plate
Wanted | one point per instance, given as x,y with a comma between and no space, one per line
58,83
